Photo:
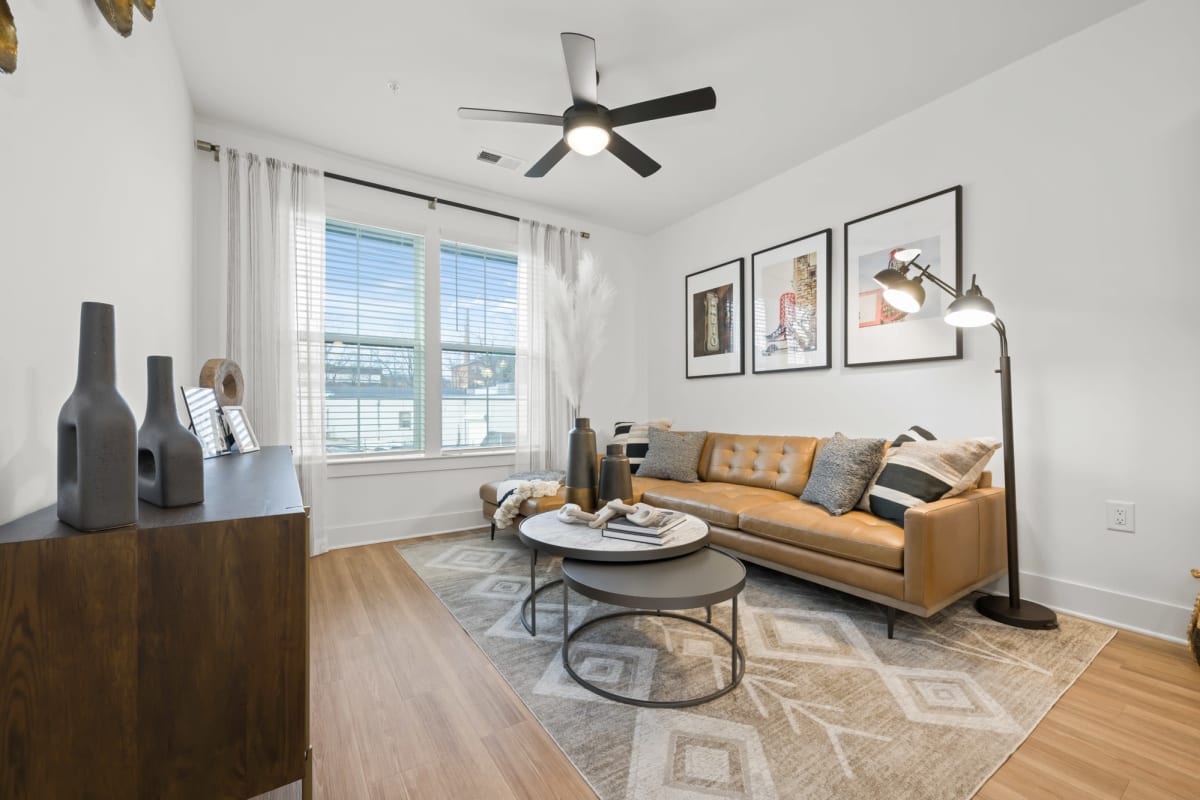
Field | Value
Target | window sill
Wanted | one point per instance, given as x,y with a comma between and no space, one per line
396,464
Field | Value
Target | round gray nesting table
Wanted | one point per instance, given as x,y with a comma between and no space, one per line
545,533
698,580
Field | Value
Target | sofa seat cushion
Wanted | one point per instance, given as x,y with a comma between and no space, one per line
857,536
714,502
642,485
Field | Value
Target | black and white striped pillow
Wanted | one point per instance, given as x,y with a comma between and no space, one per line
636,438
914,434
922,472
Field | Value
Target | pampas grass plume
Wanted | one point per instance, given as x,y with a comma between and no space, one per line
576,315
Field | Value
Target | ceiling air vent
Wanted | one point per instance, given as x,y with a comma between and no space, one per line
499,159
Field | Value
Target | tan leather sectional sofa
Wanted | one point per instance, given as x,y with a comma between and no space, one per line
748,493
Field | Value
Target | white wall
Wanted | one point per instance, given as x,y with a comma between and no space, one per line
1081,174
95,204
390,499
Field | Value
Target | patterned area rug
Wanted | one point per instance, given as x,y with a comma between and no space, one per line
829,707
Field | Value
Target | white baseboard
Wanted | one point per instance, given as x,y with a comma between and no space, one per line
390,530
1126,611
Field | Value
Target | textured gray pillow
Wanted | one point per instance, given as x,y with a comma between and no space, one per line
841,472
674,455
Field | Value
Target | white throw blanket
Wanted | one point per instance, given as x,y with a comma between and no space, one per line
514,493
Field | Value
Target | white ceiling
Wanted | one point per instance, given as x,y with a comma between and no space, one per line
793,79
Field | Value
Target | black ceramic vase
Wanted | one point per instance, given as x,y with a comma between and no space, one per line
170,459
581,465
97,434
616,479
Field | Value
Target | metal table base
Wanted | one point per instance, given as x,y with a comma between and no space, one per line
529,607
737,659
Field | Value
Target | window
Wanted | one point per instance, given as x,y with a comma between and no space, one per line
378,363
479,344
374,339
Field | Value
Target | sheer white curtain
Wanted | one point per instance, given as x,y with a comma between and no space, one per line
274,227
543,414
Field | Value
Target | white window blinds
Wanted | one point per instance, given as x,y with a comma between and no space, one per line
374,339
478,312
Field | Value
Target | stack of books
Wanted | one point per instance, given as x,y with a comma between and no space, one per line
658,534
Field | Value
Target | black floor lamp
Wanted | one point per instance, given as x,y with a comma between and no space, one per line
973,310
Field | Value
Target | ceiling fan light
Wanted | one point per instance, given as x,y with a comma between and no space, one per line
587,140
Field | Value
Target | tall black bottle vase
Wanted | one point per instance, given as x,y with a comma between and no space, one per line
97,434
581,465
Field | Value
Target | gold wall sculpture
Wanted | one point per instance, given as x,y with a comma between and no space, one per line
8,39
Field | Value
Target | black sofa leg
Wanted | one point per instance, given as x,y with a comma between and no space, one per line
493,530
891,619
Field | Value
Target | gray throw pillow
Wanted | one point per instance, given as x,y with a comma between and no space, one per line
841,472
674,455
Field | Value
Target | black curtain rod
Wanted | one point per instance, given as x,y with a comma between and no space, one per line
434,202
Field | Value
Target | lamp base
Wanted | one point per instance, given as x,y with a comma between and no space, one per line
1025,615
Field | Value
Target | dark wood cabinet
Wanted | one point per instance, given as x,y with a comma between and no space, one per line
166,659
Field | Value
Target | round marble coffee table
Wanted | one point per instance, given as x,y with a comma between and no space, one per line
545,533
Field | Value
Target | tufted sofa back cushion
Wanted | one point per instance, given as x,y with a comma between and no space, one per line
768,462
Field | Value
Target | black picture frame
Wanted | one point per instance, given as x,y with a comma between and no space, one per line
935,298
824,333
725,334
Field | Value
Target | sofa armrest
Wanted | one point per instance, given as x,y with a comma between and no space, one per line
953,546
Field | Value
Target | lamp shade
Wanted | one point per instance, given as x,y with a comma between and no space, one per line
971,310
907,295
890,278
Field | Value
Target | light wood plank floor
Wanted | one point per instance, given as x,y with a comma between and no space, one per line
404,705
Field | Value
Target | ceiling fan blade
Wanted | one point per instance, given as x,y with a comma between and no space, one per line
670,106
496,115
580,52
623,149
547,162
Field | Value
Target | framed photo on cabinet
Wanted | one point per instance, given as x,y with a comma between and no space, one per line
877,333
714,303
791,302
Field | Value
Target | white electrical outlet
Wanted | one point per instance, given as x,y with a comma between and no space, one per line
1120,516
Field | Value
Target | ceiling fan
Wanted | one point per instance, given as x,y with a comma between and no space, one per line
587,125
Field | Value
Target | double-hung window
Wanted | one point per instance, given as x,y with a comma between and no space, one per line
388,389
478,312
374,339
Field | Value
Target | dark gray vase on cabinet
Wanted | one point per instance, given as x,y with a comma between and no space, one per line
97,434
170,459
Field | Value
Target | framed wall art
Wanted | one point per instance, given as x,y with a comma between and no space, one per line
714,321
877,333
791,302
